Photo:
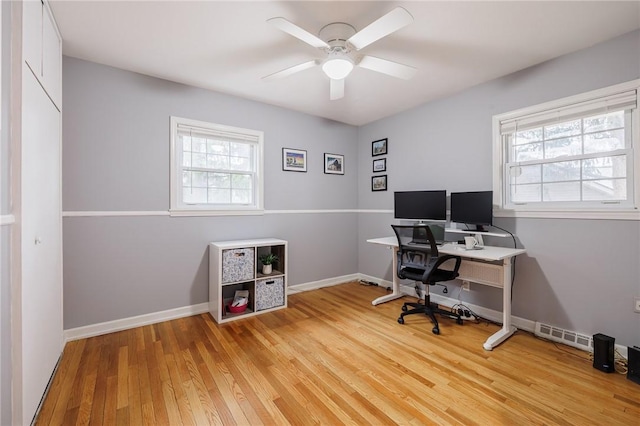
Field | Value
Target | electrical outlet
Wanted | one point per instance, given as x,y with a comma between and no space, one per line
466,285
636,307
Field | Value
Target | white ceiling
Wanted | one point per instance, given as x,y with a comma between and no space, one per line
228,46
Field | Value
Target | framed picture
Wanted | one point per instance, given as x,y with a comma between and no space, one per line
380,165
334,164
379,147
379,183
294,160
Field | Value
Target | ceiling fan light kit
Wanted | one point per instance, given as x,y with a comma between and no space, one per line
337,68
338,39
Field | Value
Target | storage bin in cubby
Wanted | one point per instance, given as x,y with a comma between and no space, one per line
269,293
238,264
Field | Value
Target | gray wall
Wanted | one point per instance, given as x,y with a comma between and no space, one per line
577,274
5,231
581,275
116,158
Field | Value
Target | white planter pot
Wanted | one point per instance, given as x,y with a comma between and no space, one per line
267,269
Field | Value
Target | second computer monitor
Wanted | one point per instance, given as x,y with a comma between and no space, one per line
472,208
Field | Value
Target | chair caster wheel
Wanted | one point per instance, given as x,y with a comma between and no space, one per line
404,308
435,330
400,320
459,321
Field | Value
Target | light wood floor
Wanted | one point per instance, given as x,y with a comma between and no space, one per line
330,358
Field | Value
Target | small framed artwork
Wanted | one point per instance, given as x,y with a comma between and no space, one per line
294,160
380,165
379,183
333,164
379,147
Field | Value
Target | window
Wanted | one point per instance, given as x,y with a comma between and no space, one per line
571,156
216,169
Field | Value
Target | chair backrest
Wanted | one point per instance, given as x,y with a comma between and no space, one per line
416,247
416,238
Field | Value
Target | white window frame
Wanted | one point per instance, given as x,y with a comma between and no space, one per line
584,210
178,207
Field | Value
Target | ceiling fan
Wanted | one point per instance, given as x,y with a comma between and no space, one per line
339,41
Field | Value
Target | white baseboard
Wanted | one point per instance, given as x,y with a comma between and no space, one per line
132,322
313,285
152,318
138,321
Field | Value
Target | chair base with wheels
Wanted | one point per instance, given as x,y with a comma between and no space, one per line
430,310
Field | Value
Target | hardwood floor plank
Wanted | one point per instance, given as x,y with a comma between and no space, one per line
330,358
123,378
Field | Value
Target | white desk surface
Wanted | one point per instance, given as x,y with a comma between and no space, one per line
489,253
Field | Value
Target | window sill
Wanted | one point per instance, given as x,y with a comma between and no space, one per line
628,214
196,212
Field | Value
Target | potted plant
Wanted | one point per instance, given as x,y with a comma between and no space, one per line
267,261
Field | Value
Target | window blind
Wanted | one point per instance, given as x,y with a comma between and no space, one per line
616,102
185,130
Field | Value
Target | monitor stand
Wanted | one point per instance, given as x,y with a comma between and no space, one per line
478,235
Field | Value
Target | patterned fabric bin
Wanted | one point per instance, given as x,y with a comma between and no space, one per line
269,293
238,265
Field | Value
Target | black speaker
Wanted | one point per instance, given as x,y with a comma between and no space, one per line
603,346
633,372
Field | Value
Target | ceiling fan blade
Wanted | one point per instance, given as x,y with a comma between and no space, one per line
336,90
297,32
291,70
383,26
384,66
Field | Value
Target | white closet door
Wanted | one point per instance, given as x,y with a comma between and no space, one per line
32,35
42,329
51,58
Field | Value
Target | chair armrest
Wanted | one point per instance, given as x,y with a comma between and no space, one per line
446,257
439,261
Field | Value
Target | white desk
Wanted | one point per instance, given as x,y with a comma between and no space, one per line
488,254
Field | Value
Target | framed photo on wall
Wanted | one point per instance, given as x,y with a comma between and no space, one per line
380,165
379,183
333,164
294,160
379,147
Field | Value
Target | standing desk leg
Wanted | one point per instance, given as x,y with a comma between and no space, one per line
395,294
507,329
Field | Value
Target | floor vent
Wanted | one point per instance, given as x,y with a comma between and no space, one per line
567,337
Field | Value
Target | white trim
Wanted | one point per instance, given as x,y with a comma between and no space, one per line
114,213
7,219
221,212
570,214
311,211
375,211
132,322
314,285
166,212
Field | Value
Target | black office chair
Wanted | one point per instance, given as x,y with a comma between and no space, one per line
418,260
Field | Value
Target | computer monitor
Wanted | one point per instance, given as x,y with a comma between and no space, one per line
428,206
472,208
